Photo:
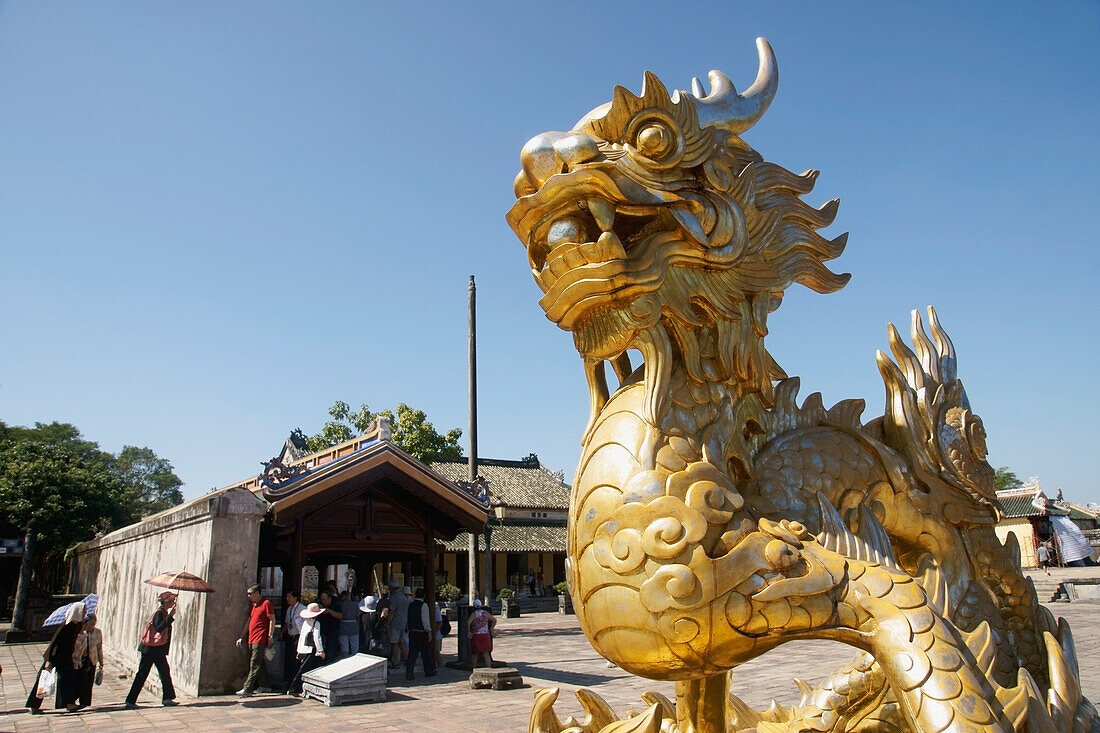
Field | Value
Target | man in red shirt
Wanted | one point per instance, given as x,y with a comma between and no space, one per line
258,634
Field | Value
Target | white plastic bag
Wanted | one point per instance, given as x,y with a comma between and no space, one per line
47,683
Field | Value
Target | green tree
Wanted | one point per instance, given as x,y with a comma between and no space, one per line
150,483
56,489
70,488
1004,479
411,431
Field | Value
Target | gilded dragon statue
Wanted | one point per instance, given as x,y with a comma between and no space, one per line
713,517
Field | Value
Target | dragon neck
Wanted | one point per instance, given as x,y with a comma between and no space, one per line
701,383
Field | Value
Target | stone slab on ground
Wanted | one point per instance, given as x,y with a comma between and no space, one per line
361,678
499,678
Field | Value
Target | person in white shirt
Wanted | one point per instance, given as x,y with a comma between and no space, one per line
310,649
292,629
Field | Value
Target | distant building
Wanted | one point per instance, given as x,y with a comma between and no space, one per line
1070,529
359,515
529,505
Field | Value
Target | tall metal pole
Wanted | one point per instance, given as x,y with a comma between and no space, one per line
471,330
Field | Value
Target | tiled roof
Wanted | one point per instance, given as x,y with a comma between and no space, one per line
522,484
515,538
1018,506
1076,512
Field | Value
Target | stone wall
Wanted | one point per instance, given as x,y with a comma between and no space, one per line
1025,535
215,537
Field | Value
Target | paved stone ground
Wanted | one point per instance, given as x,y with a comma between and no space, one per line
549,650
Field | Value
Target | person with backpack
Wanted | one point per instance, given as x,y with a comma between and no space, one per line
420,637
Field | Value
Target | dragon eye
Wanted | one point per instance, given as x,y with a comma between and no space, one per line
655,140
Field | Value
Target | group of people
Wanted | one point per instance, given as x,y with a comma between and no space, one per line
74,657
401,624
73,660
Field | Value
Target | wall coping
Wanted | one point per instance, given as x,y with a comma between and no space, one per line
231,501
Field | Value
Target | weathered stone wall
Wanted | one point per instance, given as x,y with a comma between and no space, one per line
215,537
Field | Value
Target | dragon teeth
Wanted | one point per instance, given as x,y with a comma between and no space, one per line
608,247
603,212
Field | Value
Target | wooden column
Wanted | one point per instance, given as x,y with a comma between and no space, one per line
429,562
297,562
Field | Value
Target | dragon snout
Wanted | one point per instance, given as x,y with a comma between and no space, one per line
550,153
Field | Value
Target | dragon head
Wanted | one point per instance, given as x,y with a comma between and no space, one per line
652,221
928,415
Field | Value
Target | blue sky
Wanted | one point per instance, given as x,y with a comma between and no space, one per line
218,218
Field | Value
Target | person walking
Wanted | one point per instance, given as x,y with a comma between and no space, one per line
59,656
259,634
479,629
1044,557
154,652
311,647
88,660
292,629
420,637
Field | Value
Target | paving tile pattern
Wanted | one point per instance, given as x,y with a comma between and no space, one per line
549,651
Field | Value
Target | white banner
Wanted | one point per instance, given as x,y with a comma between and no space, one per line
1071,540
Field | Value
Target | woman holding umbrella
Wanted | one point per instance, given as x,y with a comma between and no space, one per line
154,651
59,656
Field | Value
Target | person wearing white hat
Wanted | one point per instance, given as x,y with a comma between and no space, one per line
292,629
311,647
479,629
368,614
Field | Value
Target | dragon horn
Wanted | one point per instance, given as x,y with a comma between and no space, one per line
727,109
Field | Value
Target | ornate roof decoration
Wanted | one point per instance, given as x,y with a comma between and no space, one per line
478,488
525,483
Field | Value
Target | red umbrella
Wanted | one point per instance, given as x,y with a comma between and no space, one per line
179,580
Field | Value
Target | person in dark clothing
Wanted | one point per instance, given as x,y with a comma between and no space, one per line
329,621
59,656
420,637
156,653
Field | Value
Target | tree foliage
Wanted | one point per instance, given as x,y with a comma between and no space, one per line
1004,479
411,431
150,483
73,488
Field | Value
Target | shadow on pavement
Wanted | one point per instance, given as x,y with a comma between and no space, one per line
264,703
557,675
207,704
538,632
